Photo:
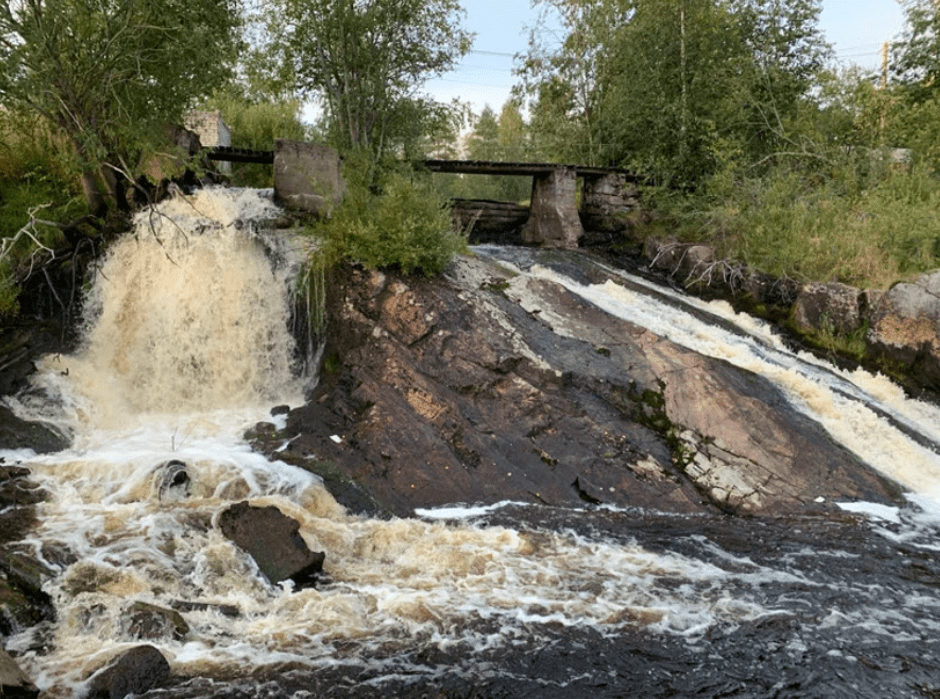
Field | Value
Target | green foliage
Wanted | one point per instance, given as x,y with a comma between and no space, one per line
366,63
916,57
34,180
868,227
109,75
671,88
397,222
255,123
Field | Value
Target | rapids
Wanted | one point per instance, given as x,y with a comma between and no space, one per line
187,345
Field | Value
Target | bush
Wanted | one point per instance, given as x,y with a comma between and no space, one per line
400,222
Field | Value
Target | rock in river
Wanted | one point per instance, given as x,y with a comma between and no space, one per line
273,540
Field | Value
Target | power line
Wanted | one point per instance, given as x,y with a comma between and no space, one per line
465,82
492,53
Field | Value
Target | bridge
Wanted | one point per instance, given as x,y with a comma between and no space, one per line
553,218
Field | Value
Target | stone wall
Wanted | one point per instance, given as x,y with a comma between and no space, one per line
553,219
487,221
212,131
606,202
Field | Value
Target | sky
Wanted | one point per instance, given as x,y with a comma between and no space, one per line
856,29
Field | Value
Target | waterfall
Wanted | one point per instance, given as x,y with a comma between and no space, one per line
187,343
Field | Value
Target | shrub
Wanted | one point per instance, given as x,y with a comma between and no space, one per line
400,222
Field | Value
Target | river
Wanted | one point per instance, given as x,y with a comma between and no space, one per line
187,344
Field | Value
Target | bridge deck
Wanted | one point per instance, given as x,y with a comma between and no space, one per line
240,155
493,167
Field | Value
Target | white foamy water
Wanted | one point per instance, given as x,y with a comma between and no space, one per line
847,404
186,346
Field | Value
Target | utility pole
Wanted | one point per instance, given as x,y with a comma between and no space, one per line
884,90
884,65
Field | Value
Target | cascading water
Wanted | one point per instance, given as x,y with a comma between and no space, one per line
187,344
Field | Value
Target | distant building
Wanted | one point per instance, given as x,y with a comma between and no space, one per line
212,132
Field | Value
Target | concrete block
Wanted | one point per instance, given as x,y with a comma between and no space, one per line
553,219
307,176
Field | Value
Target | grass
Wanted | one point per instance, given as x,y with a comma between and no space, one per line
822,229
33,180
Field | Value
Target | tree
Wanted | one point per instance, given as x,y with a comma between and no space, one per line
672,88
109,74
483,143
512,133
367,61
789,57
916,57
561,80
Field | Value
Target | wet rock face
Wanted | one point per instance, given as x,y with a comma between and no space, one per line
149,622
23,602
273,540
14,683
905,328
16,433
488,386
133,672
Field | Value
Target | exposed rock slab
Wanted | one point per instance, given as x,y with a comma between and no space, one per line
273,540
490,386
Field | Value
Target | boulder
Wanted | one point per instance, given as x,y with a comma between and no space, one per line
831,307
695,267
150,622
273,540
905,328
14,683
686,262
135,671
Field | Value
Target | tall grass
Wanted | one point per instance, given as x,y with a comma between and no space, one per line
868,231
35,180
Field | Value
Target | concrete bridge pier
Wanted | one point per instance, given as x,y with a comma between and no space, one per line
553,219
